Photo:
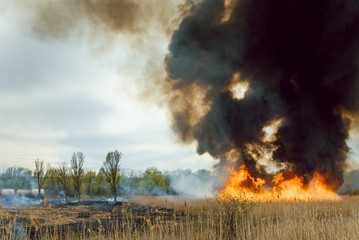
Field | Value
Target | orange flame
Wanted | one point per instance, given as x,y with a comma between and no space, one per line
286,187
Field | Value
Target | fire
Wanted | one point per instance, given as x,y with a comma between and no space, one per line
238,87
284,187
228,9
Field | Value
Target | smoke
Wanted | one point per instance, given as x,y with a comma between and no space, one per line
300,62
132,35
199,185
10,198
19,188
69,18
235,68
351,182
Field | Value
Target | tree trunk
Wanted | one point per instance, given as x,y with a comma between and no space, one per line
38,186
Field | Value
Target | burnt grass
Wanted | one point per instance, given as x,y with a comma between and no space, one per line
82,218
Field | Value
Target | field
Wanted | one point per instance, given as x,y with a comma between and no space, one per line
181,218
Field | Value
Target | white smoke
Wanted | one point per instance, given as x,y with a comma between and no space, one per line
351,182
200,184
22,197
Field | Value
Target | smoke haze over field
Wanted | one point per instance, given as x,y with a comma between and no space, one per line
300,60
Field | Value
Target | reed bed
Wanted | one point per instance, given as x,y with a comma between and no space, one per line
181,218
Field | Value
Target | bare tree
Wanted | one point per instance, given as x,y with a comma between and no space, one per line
63,178
40,174
77,163
111,170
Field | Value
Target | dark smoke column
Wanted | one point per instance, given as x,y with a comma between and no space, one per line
300,59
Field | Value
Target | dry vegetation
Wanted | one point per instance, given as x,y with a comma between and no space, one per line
180,218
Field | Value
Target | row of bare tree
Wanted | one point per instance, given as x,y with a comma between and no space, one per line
110,169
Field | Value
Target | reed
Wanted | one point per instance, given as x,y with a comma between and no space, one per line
166,218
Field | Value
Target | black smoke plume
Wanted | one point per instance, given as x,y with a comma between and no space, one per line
300,58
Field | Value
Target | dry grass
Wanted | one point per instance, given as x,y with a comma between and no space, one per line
180,218
305,220
174,202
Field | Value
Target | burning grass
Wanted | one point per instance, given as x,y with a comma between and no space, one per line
285,186
181,218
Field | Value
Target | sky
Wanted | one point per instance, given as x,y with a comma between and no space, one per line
66,88
59,96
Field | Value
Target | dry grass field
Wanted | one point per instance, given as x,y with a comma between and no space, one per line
181,218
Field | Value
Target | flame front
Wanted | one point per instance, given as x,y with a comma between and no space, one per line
284,187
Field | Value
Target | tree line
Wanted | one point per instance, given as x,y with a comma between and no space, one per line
72,180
